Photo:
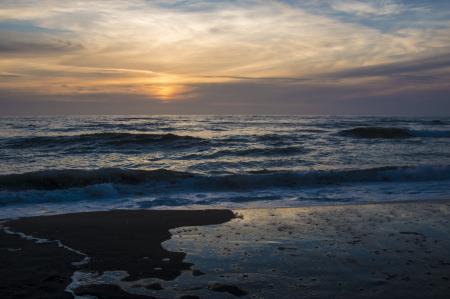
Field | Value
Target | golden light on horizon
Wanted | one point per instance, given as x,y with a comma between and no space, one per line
164,92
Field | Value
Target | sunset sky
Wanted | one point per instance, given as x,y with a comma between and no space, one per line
225,57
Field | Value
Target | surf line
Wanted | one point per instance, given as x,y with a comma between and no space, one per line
37,240
86,259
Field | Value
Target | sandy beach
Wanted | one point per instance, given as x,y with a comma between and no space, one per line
393,250
115,240
204,149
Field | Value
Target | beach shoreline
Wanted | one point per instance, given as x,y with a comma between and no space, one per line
161,245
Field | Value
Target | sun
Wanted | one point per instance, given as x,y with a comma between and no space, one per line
164,88
165,91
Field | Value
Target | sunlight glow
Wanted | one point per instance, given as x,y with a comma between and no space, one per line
165,92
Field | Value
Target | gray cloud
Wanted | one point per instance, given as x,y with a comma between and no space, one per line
417,70
260,78
9,75
37,47
412,67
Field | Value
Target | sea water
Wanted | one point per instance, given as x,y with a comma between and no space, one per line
59,164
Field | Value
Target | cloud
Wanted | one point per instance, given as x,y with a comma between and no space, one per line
35,43
411,67
424,69
249,38
9,75
374,8
19,48
280,79
188,50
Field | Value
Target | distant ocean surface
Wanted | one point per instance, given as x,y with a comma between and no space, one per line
67,164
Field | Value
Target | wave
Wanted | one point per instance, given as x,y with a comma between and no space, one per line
393,133
438,122
251,152
120,126
76,185
114,139
70,178
377,132
431,133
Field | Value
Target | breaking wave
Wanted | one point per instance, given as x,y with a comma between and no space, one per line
77,185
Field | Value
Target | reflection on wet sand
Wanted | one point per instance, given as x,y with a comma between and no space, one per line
395,250
382,250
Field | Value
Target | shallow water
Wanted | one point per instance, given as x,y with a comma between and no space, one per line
367,251
60,164
359,251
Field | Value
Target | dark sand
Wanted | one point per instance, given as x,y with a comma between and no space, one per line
125,240
392,250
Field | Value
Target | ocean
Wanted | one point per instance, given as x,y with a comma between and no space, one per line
60,164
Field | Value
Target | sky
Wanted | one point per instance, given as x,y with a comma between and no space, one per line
339,57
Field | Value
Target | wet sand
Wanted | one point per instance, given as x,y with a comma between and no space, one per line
392,250
125,240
